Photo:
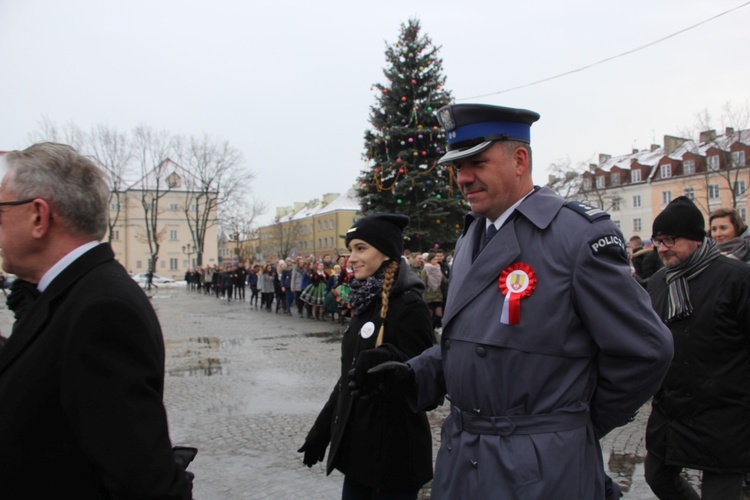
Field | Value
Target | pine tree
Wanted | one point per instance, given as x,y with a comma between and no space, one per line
405,142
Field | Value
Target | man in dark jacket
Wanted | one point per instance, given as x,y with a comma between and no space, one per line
82,374
700,415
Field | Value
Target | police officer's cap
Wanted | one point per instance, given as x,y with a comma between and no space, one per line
472,128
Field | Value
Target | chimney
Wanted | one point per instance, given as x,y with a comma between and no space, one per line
592,167
603,157
708,135
634,151
654,147
671,143
729,131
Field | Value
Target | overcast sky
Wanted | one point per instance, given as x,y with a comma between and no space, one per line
289,82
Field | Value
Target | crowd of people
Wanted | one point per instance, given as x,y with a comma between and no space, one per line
312,288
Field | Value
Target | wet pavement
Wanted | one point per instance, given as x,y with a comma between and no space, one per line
245,385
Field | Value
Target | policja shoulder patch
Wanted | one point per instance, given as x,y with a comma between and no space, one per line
609,246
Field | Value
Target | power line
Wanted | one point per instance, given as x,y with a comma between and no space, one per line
582,68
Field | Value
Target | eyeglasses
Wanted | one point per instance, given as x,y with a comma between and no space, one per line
667,241
17,202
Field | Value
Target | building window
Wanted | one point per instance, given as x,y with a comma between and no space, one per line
688,167
637,227
713,162
600,182
617,223
587,183
138,264
616,179
713,192
320,243
665,170
616,204
114,206
636,201
173,264
174,206
739,188
116,235
173,235
743,213
666,197
635,176
319,226
738,158
689,192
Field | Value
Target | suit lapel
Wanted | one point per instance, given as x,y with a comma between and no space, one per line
34,320
472,278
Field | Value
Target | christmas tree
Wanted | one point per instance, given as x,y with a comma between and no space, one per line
405,142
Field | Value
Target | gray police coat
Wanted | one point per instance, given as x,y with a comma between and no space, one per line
531,400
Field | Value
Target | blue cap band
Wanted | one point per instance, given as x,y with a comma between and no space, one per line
514,131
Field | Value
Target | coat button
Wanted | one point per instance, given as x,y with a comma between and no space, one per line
336,419
450,448
481,351
473,463
448,344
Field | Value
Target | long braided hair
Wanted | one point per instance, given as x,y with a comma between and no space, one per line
388,279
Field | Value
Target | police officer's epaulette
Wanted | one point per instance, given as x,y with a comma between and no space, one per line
590,212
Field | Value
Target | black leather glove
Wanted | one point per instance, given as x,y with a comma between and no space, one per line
183,455
360,383
390,377
314,450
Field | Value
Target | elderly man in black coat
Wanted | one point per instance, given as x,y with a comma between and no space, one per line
82,374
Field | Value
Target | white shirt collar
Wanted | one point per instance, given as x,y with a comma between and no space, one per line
504,216
61,264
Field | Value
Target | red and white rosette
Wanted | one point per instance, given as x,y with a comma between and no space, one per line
516,282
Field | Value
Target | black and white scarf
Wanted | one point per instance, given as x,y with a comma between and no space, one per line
678,277
365,291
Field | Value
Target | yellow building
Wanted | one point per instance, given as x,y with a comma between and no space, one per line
316,228
177,250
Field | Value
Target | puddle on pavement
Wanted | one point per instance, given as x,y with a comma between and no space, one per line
194,357
328,337
200,356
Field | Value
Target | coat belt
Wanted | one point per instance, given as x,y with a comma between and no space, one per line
521,424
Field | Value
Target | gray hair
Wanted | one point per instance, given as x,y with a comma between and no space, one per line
71,183
510,146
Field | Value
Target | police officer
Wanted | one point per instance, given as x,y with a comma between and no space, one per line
548,342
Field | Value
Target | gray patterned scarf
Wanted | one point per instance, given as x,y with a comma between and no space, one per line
365,291
678,277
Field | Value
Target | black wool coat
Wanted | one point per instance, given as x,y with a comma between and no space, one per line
81,387
701,414
379,441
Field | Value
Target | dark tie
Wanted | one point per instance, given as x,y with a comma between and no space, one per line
491,231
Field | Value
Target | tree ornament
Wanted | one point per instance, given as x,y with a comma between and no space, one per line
438,196
398,201
411,139
403,98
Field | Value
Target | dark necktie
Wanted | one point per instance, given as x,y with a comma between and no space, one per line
491,231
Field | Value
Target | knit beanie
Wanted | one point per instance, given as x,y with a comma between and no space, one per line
680,218
383,231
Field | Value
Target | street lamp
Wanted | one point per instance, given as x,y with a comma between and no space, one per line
188,249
